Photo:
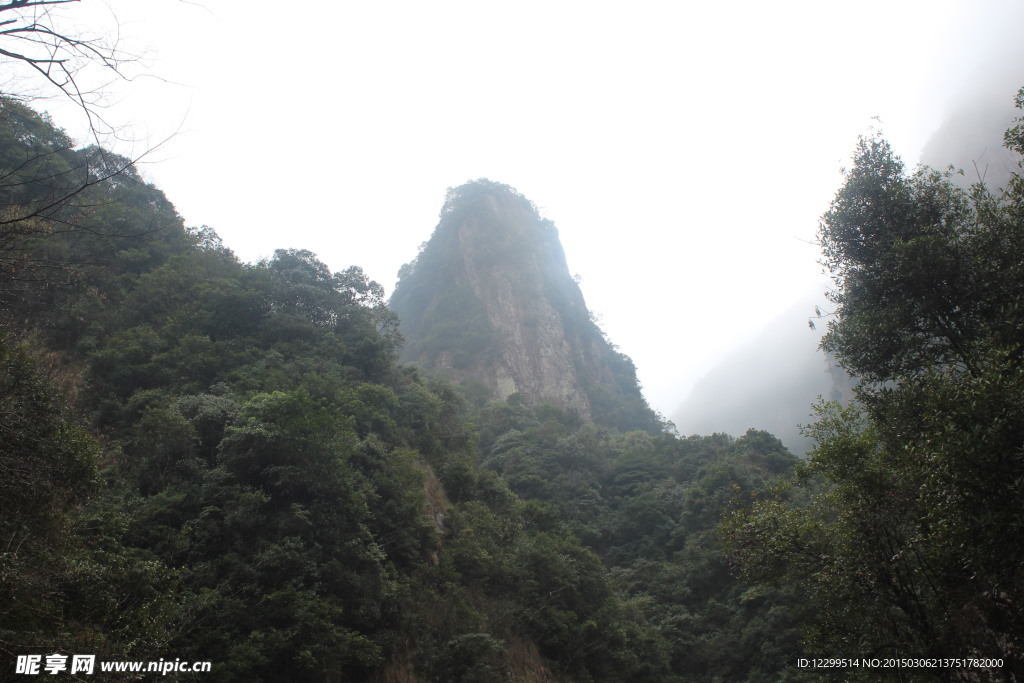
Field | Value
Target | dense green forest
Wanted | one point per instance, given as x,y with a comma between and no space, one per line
218,461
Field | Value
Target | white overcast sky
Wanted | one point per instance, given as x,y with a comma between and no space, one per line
685,150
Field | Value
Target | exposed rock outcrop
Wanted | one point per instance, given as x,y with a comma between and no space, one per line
489,303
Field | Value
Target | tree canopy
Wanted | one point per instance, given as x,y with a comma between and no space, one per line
910,543
224,462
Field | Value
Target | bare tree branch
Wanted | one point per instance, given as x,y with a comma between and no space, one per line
63,60
51,191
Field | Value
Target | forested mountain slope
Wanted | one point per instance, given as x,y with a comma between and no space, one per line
217,461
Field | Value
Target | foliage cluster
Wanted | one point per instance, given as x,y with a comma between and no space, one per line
650,506
910,544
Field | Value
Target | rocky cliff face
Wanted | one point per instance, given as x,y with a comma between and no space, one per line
489,303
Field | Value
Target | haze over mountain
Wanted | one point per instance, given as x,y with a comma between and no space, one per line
489,303
768,383
979,104
771,381
224,463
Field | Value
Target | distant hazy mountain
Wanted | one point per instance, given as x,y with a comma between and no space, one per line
768,383
980,107
489,303
771,382
971,138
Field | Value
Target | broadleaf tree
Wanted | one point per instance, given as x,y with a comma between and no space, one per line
911,544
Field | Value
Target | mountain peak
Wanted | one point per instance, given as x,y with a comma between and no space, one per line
489,302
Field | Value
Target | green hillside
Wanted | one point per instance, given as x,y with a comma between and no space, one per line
209,460
216,461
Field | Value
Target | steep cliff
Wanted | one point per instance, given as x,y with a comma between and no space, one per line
489,303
